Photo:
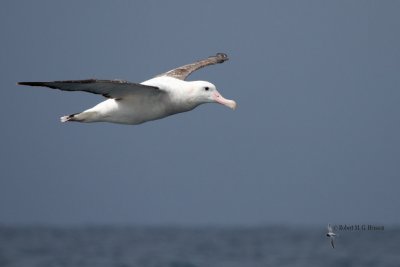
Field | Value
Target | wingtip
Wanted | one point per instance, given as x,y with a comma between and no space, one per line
222,57
28,83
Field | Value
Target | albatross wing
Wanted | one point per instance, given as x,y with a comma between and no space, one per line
108,88
183,72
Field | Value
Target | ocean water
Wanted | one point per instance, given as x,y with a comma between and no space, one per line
106,246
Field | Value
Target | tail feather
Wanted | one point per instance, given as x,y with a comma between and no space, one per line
68,118
85,116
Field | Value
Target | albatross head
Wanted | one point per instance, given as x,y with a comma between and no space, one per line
205,92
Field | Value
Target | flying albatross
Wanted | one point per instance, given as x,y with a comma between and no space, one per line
135,103
331,235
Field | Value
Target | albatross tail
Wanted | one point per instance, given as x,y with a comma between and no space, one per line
68,118
85,116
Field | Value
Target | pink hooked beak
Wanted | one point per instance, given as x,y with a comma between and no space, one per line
217,97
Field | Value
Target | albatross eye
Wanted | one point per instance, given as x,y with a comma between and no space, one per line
206,88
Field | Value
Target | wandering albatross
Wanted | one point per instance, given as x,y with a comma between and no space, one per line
135,103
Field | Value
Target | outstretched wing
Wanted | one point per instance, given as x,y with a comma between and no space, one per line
183,72
108,88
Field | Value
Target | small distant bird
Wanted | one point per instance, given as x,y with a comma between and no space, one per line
331,235
136,103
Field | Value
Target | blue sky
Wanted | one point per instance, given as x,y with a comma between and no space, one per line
315,137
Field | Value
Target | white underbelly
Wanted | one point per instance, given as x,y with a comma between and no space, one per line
130,111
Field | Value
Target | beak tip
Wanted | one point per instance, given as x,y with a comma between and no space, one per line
226,102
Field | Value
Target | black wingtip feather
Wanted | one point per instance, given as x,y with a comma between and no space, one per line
31,83
41,84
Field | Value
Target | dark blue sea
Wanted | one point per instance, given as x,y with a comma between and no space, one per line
123,246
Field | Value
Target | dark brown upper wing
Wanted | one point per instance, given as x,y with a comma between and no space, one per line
108,88
184,71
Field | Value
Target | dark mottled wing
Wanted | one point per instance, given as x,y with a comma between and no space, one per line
183,72
108,88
